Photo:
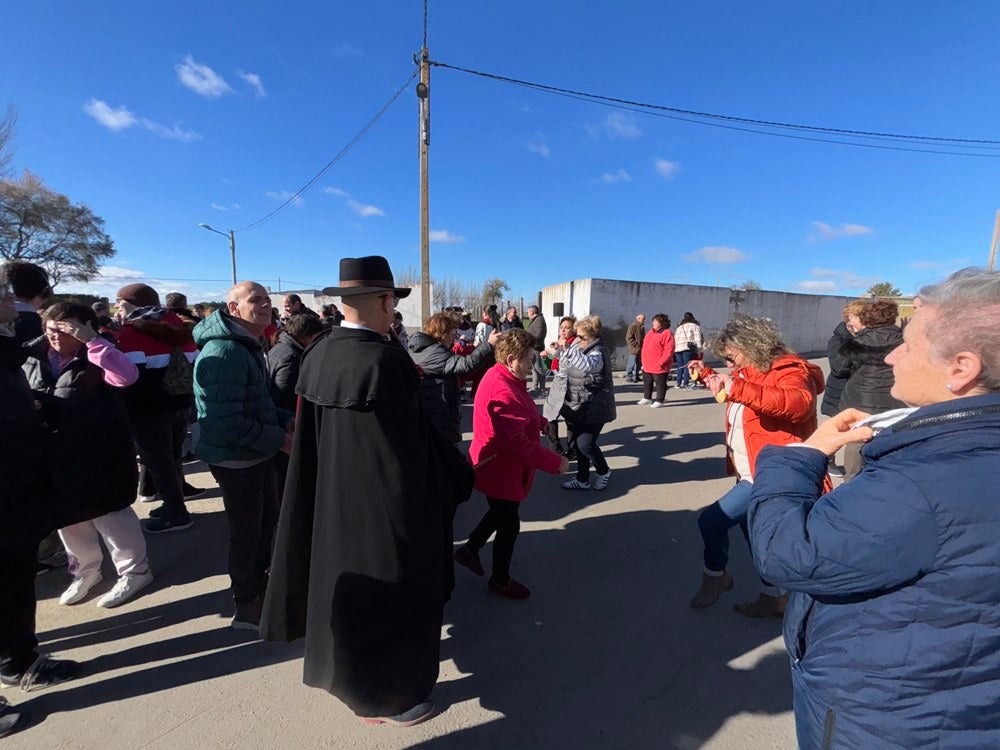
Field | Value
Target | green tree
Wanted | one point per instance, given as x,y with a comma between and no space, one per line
42,226
883,289
493,291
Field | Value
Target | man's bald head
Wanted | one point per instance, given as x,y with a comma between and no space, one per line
370,310
249,303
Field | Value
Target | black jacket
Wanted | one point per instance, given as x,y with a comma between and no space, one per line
840,370
89,443
870,378
283,362
24,500
441,369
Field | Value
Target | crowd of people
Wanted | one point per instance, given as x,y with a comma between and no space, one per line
335,439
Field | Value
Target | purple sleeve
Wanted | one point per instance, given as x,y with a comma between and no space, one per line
119,370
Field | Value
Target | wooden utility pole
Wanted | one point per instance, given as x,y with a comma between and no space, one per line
993,248
424,98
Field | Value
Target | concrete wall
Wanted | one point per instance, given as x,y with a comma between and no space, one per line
806,320
315,299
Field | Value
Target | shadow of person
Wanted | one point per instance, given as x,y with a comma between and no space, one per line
608,652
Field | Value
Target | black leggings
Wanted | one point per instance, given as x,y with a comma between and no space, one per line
584,437
503,518
660,379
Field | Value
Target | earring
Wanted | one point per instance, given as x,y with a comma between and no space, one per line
948,386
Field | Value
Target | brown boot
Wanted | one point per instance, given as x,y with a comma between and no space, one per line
711,589
765,606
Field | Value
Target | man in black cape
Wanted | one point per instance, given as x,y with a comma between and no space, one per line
362,560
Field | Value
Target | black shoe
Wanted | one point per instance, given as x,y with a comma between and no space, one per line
570,454
247,616
10,718
191,492
43,672
166,522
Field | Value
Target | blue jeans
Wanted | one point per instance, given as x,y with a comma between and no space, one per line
718,518
683,375
631,368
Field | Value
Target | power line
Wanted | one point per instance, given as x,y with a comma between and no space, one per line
700,118
340,154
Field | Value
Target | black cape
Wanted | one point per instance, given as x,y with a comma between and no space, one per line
362,561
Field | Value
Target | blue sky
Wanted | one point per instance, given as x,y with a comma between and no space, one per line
163,117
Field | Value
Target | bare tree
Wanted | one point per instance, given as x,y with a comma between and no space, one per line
42,226
493,291
748,285
7,125
409,276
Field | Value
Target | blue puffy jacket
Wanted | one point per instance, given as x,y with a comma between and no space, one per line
894,621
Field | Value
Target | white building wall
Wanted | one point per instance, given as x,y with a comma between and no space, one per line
805,320
315,299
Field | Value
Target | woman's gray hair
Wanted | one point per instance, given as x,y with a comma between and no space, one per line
968,319
758,338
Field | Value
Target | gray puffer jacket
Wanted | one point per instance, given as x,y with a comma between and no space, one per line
441,369
584,383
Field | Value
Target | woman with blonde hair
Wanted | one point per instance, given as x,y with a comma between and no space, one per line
582,393
770,397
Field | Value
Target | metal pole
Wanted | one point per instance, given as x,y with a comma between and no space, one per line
993,248
232,252
424,97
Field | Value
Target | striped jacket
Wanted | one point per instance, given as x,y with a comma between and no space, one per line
148,342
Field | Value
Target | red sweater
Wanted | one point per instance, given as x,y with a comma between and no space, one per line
658,351
505,437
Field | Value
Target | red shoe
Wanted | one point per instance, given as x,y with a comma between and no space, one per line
468,559
513,589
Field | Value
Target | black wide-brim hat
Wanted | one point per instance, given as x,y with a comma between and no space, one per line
365,276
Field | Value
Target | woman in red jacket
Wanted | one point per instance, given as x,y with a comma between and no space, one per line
770,396
505,453
657,360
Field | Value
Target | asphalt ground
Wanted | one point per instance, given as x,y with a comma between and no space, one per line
606,653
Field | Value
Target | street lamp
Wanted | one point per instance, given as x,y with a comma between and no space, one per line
232,245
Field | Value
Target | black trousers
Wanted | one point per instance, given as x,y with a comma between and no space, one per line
503,518
587,450
250,497
660,379
17,609
160,438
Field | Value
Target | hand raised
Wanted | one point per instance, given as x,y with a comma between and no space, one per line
76,329
839,431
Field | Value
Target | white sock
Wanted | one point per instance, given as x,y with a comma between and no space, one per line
714,573
773,591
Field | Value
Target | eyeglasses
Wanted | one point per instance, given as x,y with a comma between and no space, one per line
395,299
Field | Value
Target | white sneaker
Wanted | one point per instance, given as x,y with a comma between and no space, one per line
127,586
80,587
601,480
657,405
643,401
575,484
149,498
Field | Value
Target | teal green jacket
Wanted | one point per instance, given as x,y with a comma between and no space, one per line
232,390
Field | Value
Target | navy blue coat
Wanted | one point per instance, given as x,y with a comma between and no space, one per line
894,621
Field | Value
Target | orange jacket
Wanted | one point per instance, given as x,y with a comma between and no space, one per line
780,404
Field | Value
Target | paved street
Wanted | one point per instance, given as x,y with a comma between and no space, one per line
606,653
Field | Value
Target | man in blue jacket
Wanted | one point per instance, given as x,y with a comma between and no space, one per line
241,433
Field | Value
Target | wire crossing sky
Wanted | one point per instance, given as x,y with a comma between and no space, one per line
634,140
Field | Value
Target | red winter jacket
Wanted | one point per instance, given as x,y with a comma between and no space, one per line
505,437
658,351
780,403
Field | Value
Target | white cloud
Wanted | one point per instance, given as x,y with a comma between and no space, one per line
231,207
539,148
113,118
364,210
615,125
621,175
284,195
175,133
944,265
253,80
817,286
716,254
336,191
832,280
824,231
445,237
666,168
121,118
343,49
201,79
